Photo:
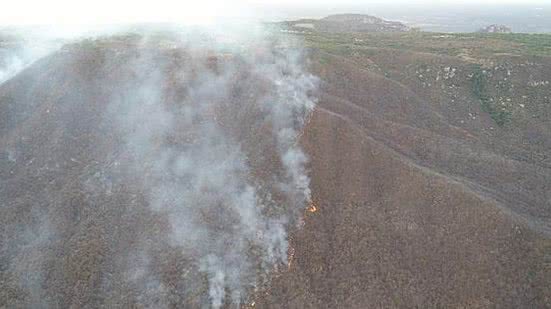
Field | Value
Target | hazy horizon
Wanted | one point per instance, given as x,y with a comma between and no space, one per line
429,15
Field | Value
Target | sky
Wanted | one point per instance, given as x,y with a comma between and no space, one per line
67,12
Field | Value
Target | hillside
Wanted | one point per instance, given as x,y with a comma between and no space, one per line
429,167
432,189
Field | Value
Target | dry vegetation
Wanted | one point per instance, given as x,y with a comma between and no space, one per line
430,167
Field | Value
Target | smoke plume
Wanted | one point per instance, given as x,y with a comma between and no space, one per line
176,158
217,152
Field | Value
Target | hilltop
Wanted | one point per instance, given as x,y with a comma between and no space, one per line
344,23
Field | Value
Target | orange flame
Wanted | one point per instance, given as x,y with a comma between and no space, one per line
312,208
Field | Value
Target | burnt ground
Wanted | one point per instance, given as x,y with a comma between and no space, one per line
418,202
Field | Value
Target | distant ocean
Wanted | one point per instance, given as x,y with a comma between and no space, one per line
438,18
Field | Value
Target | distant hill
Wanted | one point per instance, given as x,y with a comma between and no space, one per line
342,23
495,29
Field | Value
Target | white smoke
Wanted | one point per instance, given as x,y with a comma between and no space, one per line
20,47
209,121
204,159
18,54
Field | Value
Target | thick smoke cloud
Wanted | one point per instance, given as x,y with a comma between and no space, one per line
221,158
